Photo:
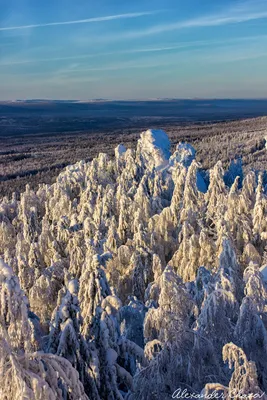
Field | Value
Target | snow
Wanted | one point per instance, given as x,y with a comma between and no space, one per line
235,169
263,271
73,286
184,154
201,184
111,304
155,148
119,151
5,270
109,257
111,356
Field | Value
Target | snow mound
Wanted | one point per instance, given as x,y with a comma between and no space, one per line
154,148
184,154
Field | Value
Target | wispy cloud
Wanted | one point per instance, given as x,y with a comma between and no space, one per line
216,58
95,55
242,12
171,48
81,21
120,66
229,57
73,72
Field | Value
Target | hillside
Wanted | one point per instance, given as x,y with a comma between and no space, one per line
40,157
135,277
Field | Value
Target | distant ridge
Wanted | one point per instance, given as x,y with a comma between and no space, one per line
103,100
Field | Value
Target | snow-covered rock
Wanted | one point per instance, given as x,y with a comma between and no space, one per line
154,148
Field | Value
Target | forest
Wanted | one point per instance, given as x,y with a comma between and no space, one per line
36,145
136,276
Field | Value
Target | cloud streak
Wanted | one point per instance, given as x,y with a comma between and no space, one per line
81,21
196,23
94,55
241,13
216,58
170,48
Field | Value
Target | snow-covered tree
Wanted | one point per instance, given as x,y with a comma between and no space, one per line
37,376
130,274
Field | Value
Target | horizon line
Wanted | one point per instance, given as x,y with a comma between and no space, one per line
103,100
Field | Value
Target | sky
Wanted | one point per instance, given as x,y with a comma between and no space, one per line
140,49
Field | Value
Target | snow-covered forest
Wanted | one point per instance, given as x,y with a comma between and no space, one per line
133,277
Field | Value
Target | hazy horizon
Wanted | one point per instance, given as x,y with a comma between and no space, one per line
65,50
145,99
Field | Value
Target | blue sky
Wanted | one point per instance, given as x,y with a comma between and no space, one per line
83,49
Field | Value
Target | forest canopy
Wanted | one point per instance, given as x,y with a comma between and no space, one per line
133,276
